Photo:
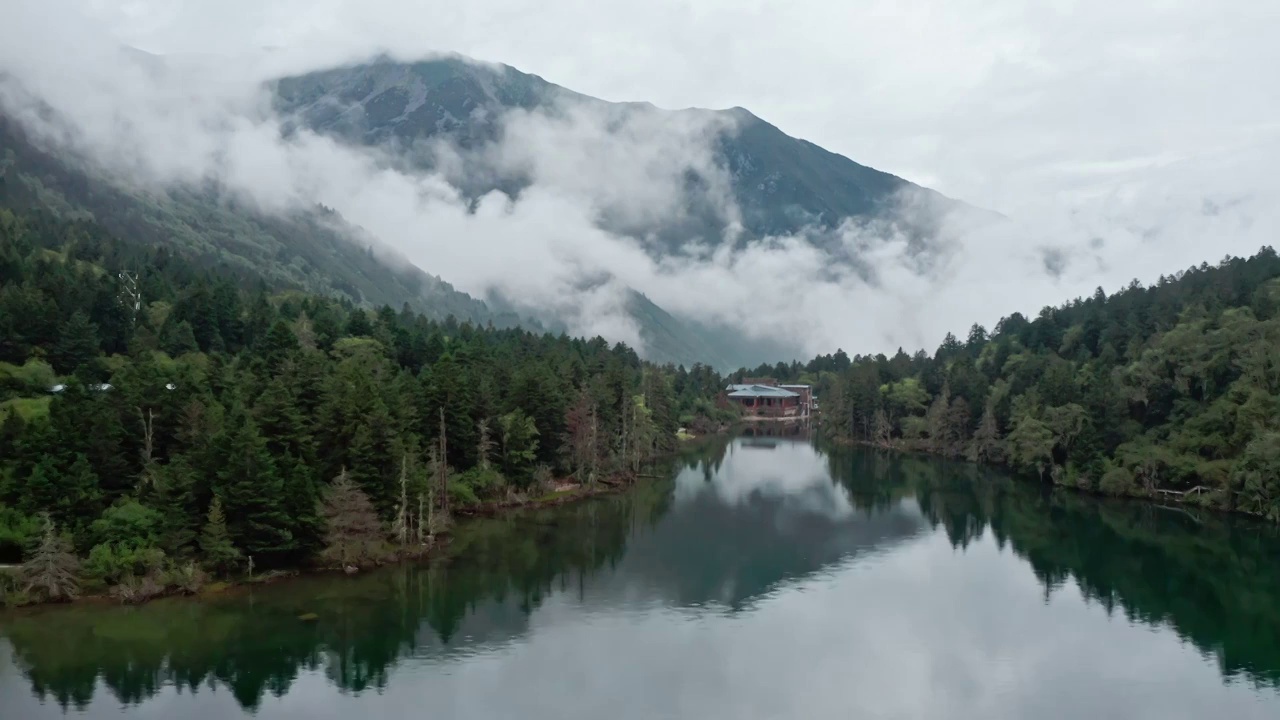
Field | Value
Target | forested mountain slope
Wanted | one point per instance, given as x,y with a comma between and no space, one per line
314,251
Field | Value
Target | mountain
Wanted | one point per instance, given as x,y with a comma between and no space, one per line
757,182
447,115
314,251
780,184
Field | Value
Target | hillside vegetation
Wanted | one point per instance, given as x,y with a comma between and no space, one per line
1168,391
197,418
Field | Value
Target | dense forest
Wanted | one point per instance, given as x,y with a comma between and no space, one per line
160,419
1171,390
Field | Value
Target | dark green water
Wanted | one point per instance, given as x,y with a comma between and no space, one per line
765,580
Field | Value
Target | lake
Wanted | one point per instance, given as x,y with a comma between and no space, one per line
760,578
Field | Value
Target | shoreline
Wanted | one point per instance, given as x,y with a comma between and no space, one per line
565,494
1172,499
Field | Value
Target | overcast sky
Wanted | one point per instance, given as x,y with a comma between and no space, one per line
999,102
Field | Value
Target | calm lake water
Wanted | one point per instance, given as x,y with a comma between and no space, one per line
763,579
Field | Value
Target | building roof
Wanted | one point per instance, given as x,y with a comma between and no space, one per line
741,391
806,387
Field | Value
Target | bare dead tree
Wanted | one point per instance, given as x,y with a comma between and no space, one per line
401,528
442,472
627,407
421,518
52,572
484,447
353,534
148,419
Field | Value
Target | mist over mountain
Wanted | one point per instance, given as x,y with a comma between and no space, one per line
473,189
677,186
744,180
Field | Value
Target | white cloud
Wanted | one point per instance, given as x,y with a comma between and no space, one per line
1122,145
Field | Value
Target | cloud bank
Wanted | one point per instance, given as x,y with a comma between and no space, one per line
157,122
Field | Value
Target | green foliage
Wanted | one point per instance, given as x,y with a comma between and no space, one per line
1031,444
1257,474
188,578
518,437
1117,481
462,493
220,555
32,377
110,563
1172,389
205,428
906,397
77,343
128,524
17,532
468,487
252,491
29,409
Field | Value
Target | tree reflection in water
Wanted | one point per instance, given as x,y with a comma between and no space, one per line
1210,578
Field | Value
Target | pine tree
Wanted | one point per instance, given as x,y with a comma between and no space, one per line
937,419
252,491
353,535
177,338
451,392
86,421
281,422
174,493
861,400
51,573
582,444
986,445
279,345
358,324
659,407
957,426
301,499
77,343
519,445
220,555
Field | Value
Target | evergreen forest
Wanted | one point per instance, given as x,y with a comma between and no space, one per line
162,419
1170,391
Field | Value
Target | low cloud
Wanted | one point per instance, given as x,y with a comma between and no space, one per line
569,244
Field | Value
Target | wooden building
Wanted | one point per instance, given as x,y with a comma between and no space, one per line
770,401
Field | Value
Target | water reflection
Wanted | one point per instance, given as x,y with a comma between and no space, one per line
759,513
764,532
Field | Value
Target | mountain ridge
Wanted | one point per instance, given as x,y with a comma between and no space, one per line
758,182
783,184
